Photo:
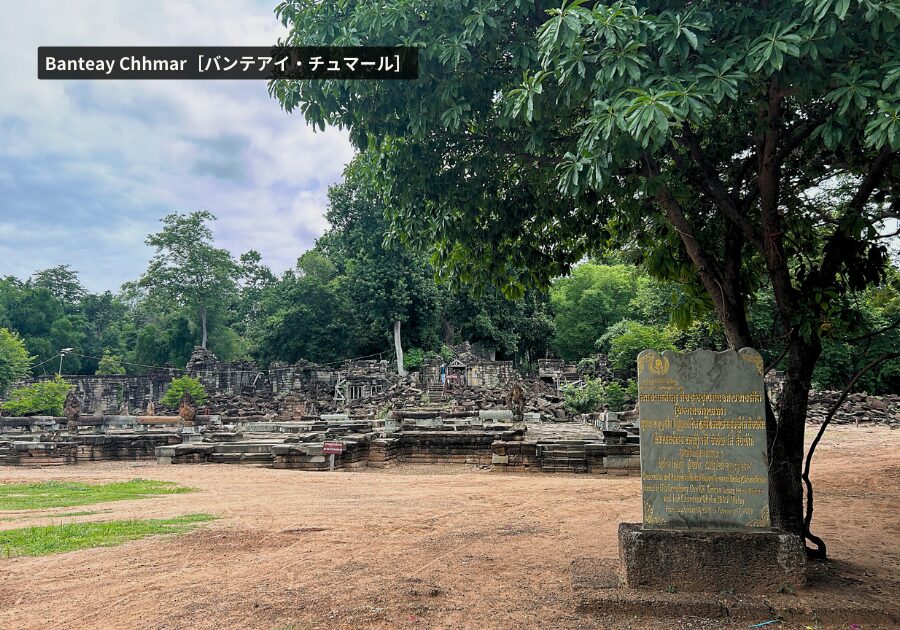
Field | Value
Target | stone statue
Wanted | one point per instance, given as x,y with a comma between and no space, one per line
72,409
187,410
123,410
515,401
151,409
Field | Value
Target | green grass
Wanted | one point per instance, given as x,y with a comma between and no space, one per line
50,539
53,494
26,517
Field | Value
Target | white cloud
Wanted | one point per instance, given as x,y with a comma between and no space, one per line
98,163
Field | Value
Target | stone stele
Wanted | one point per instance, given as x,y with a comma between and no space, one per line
703,440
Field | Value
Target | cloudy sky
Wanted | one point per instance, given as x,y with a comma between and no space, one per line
87,168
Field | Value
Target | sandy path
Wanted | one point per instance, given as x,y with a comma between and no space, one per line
426,546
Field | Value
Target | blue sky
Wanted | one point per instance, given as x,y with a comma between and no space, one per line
87,169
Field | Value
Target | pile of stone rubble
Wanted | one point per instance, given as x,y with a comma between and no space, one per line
857,408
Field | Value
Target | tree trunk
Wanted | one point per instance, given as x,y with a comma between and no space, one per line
203,326
785,437
399,349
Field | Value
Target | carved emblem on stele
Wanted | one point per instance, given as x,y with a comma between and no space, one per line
657,364
755,358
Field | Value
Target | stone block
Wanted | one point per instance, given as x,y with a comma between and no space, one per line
499,459
756,562
622,461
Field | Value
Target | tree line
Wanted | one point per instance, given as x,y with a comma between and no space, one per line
344,296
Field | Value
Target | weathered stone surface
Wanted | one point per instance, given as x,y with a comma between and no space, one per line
72,410
187,410
703,440
708,561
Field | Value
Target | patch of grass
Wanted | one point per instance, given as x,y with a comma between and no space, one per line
50,539
53,494
27,517
62,514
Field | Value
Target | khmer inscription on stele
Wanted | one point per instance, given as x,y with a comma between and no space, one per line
703,440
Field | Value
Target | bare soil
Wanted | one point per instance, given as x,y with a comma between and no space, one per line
406,546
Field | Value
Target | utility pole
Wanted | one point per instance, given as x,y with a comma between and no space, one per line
62,353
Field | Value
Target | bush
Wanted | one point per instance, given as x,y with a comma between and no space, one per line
584,399
412,359
631,391
182,384
44,398
14,359
595,395
615,397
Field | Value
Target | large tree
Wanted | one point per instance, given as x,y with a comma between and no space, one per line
187,270
730,145
389,289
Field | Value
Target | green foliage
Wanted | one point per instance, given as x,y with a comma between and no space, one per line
594,395
43,321
545,136
50,539
43,398
585,399
110,364
413,358
446,353
588,302
627,339
54,494
14,359
187,271
183,384
631,391
615,396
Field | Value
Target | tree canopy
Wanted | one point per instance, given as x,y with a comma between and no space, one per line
187,270
14,359
726,146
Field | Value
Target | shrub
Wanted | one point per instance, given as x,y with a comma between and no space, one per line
615,396
14,359
183,384
44,398
413,358
594,396
631,391
584,399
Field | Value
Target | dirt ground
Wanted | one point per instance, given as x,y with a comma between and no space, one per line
408,546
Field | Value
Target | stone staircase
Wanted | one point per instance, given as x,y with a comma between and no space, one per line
563,456
436,392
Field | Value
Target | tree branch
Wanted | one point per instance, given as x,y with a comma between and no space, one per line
820,551
715,188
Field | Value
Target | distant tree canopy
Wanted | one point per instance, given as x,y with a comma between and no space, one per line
14,359
343,297
729,147
187,270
